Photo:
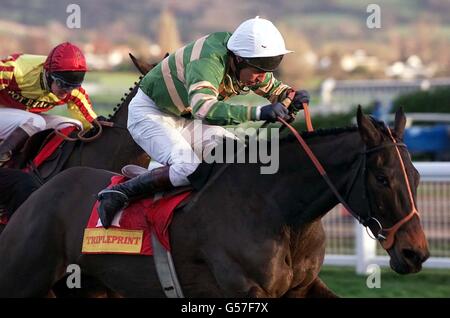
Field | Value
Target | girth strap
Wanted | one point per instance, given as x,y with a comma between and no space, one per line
166,270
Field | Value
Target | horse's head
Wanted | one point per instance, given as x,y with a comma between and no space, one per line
391,186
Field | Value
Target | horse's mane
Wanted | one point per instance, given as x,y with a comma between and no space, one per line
321,132
201,175
199,179
124,99
380,125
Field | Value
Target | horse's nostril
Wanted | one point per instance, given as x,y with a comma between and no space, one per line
413,256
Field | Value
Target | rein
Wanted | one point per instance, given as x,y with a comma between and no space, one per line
80,136
99,123
81,132
385,236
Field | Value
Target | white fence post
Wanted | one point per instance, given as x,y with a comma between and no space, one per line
365,248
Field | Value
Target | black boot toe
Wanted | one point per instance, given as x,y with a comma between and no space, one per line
110,204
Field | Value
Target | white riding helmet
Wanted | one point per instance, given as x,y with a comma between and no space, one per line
256,39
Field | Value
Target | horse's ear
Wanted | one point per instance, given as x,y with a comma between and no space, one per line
142,66
369,133
400,123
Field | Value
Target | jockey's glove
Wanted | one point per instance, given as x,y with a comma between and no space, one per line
272,111
301,96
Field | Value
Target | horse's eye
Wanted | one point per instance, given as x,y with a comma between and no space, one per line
382,180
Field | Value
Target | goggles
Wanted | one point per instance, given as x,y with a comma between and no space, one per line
266,64
64,85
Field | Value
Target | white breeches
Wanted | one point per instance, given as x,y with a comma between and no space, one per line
171,140
11,118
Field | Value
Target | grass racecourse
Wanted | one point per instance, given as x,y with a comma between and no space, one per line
428,283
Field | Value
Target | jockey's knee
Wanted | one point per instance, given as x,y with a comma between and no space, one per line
33,124
213,136
179,173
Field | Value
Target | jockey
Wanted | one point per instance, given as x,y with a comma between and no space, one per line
33,84
193,83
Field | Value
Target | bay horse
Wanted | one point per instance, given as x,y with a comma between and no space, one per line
244,234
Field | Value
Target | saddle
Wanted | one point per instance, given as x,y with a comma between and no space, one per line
46,153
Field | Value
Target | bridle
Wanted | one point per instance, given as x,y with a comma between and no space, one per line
386,236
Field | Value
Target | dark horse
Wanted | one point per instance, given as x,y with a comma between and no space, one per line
111,151
243,234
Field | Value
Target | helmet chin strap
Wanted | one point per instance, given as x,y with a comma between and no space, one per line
236,67
46,80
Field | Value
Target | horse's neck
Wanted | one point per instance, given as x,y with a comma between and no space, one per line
120,117
312,197
115,148
128,151
295,194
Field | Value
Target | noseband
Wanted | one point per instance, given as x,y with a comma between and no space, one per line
385,236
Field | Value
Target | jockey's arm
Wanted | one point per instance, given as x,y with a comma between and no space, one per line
273,89
80,107
6,73
203,78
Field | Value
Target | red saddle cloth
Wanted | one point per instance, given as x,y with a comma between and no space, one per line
131,228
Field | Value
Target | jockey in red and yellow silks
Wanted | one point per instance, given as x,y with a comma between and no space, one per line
33,84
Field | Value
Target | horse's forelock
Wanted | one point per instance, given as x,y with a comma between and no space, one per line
380,125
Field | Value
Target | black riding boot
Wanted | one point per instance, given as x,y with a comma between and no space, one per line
11,144
117,197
